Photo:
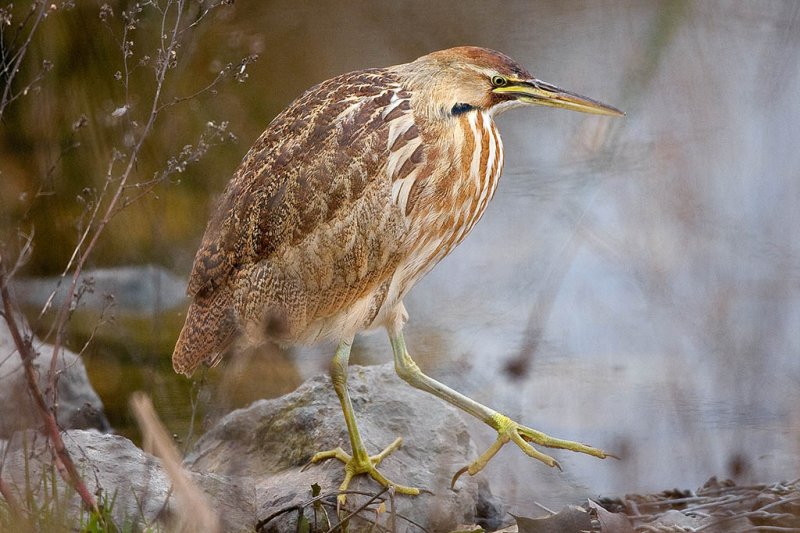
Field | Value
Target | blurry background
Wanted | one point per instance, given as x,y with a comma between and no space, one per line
635,284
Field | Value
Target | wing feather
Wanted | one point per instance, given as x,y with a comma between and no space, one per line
315,159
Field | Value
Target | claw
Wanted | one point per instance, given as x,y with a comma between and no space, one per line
457,475
508,430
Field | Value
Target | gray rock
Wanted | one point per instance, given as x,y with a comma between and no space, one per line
135,480
132,478
79,406
271,440
250,463
135,289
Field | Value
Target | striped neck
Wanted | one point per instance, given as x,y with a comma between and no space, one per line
483,147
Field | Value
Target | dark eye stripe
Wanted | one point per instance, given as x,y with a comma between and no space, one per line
458,109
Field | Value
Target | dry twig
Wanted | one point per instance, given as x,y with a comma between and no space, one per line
24,345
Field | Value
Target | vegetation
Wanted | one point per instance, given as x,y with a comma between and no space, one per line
152,41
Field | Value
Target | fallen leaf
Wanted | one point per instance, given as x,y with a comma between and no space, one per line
570,519
610,522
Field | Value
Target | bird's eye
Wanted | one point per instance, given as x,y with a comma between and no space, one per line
499,81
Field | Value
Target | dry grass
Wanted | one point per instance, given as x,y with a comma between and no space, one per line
194,512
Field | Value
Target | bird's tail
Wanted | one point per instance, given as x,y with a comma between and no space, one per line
209,329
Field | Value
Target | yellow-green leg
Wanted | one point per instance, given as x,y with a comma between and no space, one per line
360,462
507,429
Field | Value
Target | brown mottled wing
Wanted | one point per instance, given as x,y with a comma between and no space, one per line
315,159
285,186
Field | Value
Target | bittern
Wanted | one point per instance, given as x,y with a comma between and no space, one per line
351,195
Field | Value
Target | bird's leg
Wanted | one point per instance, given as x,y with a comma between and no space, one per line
507,429
360,462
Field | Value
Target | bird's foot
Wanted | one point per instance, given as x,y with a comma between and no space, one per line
361,463
508,430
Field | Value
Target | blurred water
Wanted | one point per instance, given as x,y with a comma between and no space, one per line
641,276
652,261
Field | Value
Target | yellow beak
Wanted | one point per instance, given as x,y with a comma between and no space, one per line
537,92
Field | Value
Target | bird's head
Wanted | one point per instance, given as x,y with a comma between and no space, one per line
457,80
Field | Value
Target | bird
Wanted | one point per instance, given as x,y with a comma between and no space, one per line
350,196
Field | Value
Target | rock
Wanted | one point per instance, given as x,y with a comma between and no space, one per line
145,289
271,440
135,480
250,463
79,406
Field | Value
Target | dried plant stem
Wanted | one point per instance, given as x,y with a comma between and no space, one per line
11,500
10,65
111,208
196,512
111,200
61,458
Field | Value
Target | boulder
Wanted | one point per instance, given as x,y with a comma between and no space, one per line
79,406
250,463
270,441
147,289
134,480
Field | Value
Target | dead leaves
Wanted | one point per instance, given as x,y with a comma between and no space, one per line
717,507
591,518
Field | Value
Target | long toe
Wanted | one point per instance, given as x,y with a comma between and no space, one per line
511,431
527,434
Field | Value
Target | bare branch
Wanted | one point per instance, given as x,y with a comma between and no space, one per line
204,14
239,73
213,135
10,68
101,204
24,344
166,52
